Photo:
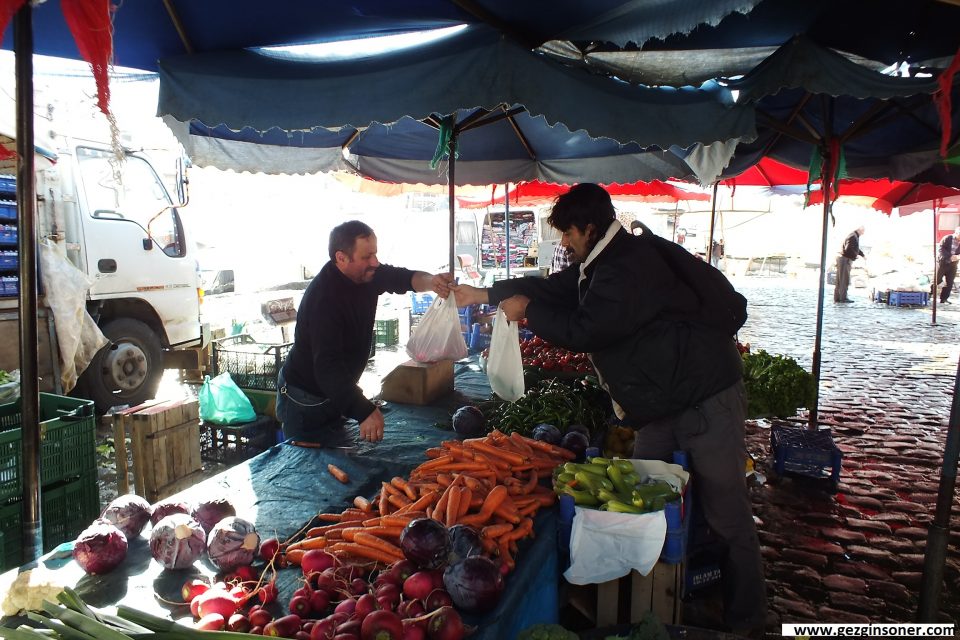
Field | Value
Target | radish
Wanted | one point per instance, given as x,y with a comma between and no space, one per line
323,629
366,604
351,627
389,591
193,588
269,548
195,606
359,586
402,569
346,636
419,585
285,627
346,606
316,560
238,623
326,580
411,609
239,593
302,635
245,573
256,631
319,601
437,598
260,617
445,625
300,605
381,625
412,631
268,592
217,601
210,622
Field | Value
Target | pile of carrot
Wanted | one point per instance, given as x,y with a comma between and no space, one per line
490,483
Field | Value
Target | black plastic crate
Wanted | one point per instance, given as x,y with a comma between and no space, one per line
251,364
232,444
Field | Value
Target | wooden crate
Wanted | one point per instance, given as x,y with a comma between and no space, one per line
626,599
418,382
165,442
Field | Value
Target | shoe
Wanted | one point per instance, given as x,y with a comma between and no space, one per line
945,302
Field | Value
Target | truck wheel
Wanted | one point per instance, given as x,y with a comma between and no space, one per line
128,370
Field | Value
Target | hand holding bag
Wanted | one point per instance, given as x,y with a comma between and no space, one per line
438,336
222,401
505,364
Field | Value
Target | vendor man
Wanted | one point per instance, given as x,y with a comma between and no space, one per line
667,370
317,386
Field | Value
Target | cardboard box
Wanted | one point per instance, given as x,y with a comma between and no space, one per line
418,382
626,599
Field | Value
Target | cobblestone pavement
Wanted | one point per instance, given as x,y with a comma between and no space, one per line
887,384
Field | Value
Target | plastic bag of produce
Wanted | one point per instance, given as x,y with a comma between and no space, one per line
222,401
438,336
505,364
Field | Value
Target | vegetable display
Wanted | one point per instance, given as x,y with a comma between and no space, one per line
209,512
100,548
555,402
611,485
130,513
233,542
776,385
177,541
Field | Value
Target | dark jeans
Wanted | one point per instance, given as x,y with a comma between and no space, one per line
945,271
843,278
712,434
309,418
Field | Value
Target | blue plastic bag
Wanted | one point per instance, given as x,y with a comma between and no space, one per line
222,401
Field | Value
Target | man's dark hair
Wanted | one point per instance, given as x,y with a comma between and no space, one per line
344,237
584,204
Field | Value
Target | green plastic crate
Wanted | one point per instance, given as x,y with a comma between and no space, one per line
67,509
67,442
386,332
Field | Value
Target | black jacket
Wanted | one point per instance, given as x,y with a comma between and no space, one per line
334,329
947,249
639,323
851,246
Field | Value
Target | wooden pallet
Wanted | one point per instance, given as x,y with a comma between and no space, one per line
165,442
626,599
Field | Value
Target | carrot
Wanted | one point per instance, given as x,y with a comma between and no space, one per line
309,543
517,440
436,463
383,505
435,452
523,529
453,506
466,498
444,479
496,530
509,456
531,482
470,482
363,504
338,473
361,551
402,484
492,502
398,501
553,450
380,544
313,532
504,548
294,556
422,502
380,532
329,517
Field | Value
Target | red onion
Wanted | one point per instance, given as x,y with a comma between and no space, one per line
233,542
100,547
177,541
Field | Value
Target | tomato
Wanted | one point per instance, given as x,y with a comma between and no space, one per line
536,362
564,360
536,341
584,368
549,364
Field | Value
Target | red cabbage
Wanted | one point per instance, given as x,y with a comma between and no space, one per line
474,584
468,421
424,542
129,513
177,541
464,542
165,508
210,512
100,547
233,543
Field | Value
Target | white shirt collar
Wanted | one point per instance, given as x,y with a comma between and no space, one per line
612,230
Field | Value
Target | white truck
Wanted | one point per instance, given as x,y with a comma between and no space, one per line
118,224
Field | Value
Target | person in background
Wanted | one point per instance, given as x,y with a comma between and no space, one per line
637,228
848,253
562,258
947,265
716,254
317,385
666,368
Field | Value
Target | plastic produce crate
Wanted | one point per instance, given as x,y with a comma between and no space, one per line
9,260
67,442
420,302
386,333
805,452
8,187
478,340
908,298
9,286
8,210
251,364
68,508
8,234
232,444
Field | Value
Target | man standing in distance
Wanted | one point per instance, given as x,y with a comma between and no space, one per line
317,386
850,252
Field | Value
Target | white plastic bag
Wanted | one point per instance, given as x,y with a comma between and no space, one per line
438,336
505,364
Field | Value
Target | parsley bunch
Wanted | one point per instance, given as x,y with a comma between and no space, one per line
776,385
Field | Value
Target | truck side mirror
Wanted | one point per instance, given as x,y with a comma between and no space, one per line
183,193
147,244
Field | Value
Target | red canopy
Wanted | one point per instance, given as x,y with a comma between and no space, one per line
884,195
536,192
768,173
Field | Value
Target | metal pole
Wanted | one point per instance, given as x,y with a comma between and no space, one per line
939,533
825,180
936,266
506,222
713,220
27,254
451,184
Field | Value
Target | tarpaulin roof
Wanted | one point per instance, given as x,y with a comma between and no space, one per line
475,67
886,195
520,147
530,193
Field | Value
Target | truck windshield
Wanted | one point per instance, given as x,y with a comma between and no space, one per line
129,190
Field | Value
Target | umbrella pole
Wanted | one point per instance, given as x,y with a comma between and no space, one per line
713,220
506,222
936,267
27,250
939,532
452,189
825,185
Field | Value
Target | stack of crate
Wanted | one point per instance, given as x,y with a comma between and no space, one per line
69,491
165,442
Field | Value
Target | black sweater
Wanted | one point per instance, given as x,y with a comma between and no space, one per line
333,334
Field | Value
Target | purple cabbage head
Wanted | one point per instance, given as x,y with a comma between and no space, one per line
233,543
177,541
210,512
165,508
129,513
100,547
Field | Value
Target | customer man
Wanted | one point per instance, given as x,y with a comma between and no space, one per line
317,385
947,265
665,365
850,252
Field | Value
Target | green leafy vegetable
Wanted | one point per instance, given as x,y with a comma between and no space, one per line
776,385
